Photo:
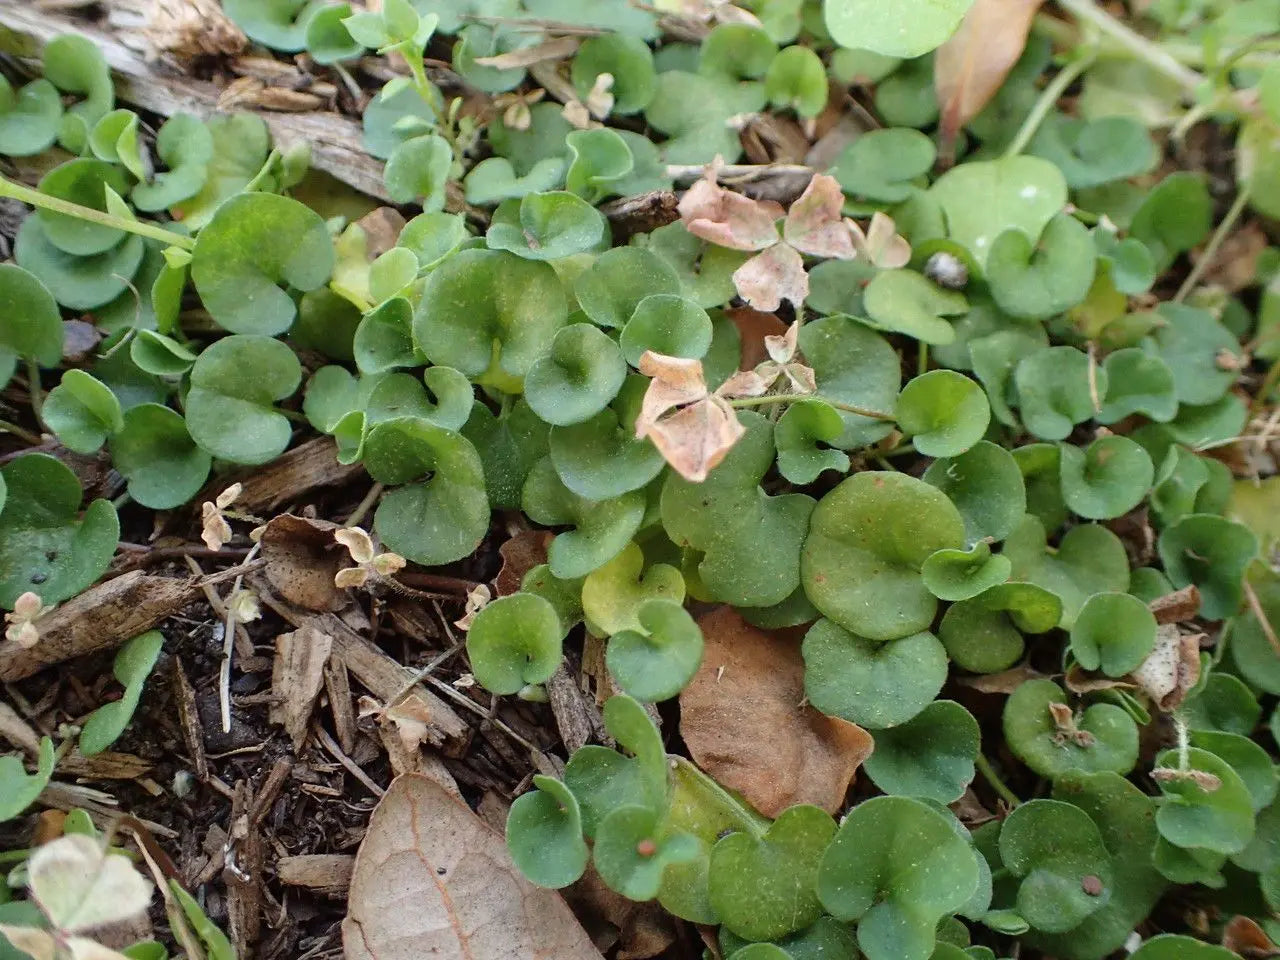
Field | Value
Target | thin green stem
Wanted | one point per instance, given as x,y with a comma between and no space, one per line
1215,243
35,198
993,778
796,397
1048,97
1135,43
34,391
26,436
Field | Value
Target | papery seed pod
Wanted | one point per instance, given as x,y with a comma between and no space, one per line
947,270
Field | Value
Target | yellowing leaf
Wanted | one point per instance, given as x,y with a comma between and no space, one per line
969,68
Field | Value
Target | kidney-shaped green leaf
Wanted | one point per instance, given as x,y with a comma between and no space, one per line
82,411
544,834
931,756
1114,633
1103,737
656,658
945,413
514,642
547,226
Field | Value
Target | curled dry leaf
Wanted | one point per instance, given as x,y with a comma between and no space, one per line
745,722
526,550
1243,936
369,563
40,945
881,246
1177,606
813,223
1208,782
970,67
772,276
640,930
297,674
753,326
22,629
403,727
477,599
215,530
729,219
1171,669
699,434
303,561
1006,681
432,879
1079,680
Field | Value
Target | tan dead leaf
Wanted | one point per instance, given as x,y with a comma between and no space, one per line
79,886
302,561
1006,681
772,276
244,606
1079,680
970,809
381,227
600,97
1177,606
555,49
1243,936
297,674
744,720
41,945
403,727
432,879
1171,669
813,223
214,529
745,383
21,621
782,349
676,382
881,246
729,219
478,598
640,930
697,438
970,67
526,550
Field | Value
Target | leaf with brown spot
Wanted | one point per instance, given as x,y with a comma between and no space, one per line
1172,668
433,880
302,561
526,550
970,67
297,675
745,722
772,276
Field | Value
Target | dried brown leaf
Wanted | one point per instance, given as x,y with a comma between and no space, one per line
1177,606
297,675
772,276
1171,669
695,439
745,722
1243,936
729,219
640,930
303,558
555,49
813,223
753,327
432,879
970,67
676,382
881,246
1079,680
526,550
1006,681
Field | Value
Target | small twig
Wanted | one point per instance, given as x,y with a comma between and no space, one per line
465,701
993,778
1205,261
1263,621
335,751
34,390
1048,97
364,505
26,436
739,172
228,645
436,581
422,674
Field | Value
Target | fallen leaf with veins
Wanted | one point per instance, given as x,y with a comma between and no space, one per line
1171,669
433,880
772,276
970,67
813,223
728,219
303,560
697,437
744,719
881,246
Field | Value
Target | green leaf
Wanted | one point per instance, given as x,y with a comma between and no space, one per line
74,64
548,226
1103,737
81,181
600,159
704,270
241,144
763,886
797,80
233,386
611,288
254,243
429,521
1114,632
867,541
159,355
1192,343
514,642
897,901
1130,264
1041,467
78,283
1246,758
906,29
657,658
627,59
509,446
1038,279
1094,151
419,168
1137,382
983,634
279,24
995,357
494,179
666,324
802,435
577,378
1213,553
602,528
954,574
882,166
1175,217
46,546
156,455
214,940
328,39
114,138
692,109
391,120
132,666
983,199
384,339
1055,390
903,301
601,458
931,756
854,365
1057,852
1107,479
33,328
633,848
434,237
986,486
944,412
907,97
1196,818
613,594
30,118
19,789
728,517
1223,702
1090,559
82,412
544,834
489,311
871,684
1171,946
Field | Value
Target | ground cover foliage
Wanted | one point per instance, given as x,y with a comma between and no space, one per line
943,458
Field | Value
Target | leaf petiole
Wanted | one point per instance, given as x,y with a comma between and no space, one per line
796,397
993,778
16,191
1055,89
1151,53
